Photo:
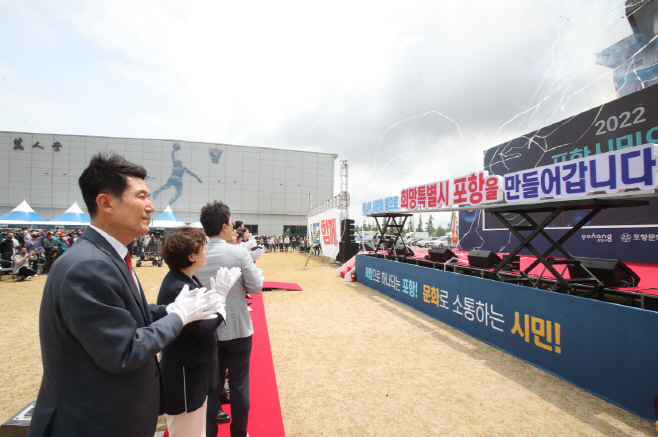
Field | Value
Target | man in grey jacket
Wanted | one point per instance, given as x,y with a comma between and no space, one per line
234,346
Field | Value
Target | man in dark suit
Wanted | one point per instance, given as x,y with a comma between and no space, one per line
99,338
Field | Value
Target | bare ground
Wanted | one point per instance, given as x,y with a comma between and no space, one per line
352,362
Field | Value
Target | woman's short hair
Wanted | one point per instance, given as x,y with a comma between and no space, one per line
179,244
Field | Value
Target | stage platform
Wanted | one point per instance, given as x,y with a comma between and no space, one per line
648,273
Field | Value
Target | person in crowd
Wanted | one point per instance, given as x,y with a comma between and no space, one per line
238,225
234,346
190,370
293,243
139,246
243,236
37,239
62,246
21,264
286,242
7,248
99,337
147,241
50,251
273,243
29,245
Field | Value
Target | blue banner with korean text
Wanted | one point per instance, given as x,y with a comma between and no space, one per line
604,348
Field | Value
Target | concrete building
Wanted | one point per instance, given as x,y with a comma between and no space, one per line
634,59
265,188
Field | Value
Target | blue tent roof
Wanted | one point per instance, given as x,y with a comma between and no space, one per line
22,214
73,215
167,220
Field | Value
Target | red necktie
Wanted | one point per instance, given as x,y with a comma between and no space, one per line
129,262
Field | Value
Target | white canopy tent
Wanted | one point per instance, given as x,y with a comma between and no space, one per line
23,214
166,220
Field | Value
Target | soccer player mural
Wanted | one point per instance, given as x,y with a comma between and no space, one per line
176,178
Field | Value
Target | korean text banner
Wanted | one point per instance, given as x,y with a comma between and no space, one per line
610,172
604,348
328,222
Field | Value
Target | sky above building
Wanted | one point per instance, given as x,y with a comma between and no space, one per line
409,92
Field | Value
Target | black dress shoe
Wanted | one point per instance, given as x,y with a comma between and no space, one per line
223,417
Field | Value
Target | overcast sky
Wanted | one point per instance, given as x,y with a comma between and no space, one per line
409,92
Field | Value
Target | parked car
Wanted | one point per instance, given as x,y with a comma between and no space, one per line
445,241
427,242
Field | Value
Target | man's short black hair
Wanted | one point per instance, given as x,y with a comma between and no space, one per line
106,173
213,217
238,224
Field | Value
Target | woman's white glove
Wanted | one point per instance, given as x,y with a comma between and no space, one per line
260,272
224,280
192,305
250,244
257,253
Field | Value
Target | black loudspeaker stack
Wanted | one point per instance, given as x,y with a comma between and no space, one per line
441,255
483,258
611,272
347,247
400,251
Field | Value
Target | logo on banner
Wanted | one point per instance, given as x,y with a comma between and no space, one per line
626,238
328,229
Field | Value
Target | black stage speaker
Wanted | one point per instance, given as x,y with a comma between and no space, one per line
442,255
347,231
483,258
346,251
399,250
611,272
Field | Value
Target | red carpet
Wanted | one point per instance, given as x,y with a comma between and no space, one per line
265,414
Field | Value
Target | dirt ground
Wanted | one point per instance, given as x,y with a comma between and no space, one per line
352,362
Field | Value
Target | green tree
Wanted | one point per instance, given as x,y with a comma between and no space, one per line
420,224
441,231
429,228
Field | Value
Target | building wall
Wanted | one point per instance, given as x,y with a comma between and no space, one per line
265,187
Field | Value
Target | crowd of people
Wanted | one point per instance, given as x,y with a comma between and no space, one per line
30,252
283,243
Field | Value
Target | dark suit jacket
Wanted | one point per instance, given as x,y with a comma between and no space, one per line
189,364
98,344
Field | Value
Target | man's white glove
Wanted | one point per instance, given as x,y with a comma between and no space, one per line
255,254
260,272
191,305
223,281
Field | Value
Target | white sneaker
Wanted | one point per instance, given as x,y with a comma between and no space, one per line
249,309
35,276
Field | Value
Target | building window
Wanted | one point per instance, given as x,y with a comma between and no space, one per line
253,229
294,230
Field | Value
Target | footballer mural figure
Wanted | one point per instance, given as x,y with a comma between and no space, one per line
176,178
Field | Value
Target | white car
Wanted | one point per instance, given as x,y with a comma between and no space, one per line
445,241
427,242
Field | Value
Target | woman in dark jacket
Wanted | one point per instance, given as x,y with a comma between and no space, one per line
189,364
